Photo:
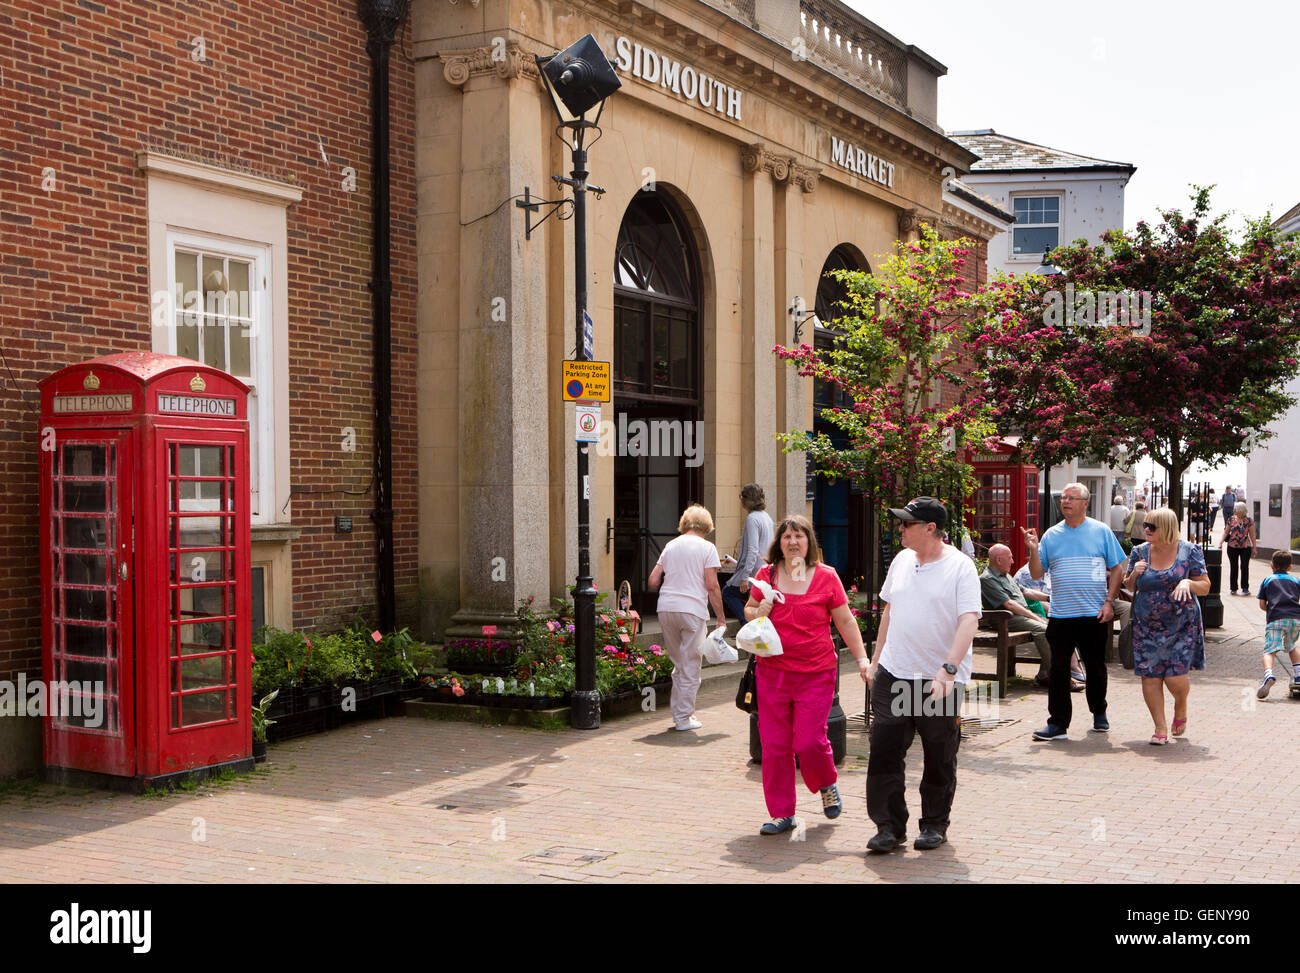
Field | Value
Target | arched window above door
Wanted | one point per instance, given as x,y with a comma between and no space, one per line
656,306
652,255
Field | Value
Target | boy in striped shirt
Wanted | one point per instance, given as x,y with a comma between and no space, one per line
1279,596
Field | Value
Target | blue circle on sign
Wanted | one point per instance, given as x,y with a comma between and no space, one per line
575,388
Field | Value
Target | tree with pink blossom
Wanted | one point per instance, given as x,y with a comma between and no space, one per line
1197,379
902,332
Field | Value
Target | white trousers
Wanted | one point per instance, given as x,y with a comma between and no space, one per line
683,636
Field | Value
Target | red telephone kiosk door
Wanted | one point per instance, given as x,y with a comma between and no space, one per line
86,542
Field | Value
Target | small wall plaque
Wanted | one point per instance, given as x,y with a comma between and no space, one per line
343,525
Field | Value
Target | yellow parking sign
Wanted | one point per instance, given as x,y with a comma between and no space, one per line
586,381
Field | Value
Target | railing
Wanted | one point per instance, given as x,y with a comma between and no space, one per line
866,60
826,33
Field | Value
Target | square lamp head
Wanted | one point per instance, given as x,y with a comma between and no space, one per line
581,77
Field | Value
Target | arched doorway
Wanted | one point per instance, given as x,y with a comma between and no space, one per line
657,383
839,516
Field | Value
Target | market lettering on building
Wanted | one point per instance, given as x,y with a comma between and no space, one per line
192,405
862,163
93,403
659,69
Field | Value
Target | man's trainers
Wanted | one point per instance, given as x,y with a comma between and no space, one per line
831,803
885,841
777,826
1265,686
1051,732
1100,724
928,840
691,724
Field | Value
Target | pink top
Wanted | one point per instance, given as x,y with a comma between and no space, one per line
804,621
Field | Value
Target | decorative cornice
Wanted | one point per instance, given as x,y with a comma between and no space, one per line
960,219
507,64
248,184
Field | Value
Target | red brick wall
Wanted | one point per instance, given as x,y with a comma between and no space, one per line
85,86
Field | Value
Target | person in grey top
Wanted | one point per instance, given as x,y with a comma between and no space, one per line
755,542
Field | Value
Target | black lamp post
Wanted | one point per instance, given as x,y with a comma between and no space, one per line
579,79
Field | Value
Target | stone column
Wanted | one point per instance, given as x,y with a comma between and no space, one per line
793,279
501,388
759,317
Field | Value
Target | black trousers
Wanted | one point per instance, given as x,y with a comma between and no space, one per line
1235,555
1088,636
899,712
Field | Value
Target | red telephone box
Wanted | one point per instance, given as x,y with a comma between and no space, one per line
1006,499
145,540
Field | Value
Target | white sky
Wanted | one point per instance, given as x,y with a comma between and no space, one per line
1189,92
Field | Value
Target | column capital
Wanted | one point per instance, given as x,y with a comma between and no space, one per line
507,63
805,177
758,158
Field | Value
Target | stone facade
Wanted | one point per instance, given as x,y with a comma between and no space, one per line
765,194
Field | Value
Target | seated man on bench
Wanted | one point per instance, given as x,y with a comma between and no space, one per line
1000,590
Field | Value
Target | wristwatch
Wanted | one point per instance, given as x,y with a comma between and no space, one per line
949,668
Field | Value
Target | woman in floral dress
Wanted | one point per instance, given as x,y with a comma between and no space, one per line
1165,574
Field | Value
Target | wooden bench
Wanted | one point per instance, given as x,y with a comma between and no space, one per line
995,634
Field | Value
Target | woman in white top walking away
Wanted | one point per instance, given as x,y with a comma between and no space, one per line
688,572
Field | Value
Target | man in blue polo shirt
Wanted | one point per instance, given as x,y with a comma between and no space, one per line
1085,560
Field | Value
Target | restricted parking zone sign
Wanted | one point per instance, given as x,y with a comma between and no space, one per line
586,381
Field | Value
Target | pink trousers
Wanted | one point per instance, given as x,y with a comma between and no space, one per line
792,712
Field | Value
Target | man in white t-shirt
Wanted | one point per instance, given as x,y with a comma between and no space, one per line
917,675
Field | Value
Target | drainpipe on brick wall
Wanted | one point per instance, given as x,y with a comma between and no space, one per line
382,19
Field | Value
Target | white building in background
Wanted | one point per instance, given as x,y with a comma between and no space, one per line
1273,469
1057,197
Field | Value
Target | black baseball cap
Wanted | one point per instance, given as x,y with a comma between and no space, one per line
925,509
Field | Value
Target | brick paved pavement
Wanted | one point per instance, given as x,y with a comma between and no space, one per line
407,799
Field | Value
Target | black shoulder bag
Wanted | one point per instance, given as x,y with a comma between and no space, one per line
747,691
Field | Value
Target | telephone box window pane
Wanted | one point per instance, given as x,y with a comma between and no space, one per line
200,532
90,569
203,708
85,640
203,673
200,602
91,497
85,604
86,533
80,459
197,638
198,567
86,673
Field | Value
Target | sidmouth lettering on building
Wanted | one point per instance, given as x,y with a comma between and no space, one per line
659,69
861,162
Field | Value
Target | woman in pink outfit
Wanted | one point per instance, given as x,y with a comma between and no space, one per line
795,689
